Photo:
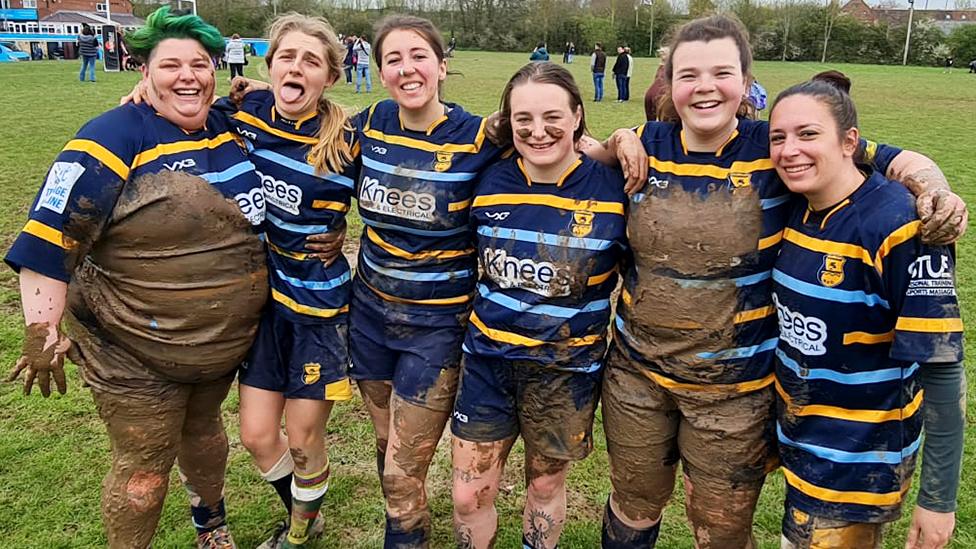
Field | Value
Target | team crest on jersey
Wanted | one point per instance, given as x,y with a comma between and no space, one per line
582,223
443,162
739,180
832,271
311,373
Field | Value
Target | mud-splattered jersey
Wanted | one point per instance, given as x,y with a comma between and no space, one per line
862,305
414,191
549,257
85,180
299,203
696,305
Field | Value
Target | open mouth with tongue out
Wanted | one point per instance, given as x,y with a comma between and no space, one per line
291,92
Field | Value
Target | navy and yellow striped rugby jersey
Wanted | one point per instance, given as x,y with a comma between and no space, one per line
862,305
549,255
118,146
299,203
705,229
414,191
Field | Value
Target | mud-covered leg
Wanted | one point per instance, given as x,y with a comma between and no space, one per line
726,447
376,395
414,433
545,500
145,439
640,420
478,468
203,454
305,423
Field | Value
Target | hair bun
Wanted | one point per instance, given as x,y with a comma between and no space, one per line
836,79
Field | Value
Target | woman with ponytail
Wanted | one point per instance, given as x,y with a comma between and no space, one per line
297,366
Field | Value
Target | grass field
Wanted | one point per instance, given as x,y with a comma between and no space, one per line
53,453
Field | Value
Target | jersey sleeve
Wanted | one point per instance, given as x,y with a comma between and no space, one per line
77,196
877,156
921,283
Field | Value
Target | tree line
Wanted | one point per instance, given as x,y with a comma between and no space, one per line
788,30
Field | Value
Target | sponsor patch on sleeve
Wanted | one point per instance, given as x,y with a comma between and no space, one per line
57,189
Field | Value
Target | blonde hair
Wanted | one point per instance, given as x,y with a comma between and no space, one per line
331,153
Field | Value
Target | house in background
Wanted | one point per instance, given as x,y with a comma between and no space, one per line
945,20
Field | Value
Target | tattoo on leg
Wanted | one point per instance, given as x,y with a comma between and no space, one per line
463,536
540,525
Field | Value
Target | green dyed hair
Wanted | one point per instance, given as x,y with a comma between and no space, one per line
161,24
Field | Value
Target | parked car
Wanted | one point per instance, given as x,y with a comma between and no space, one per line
9,52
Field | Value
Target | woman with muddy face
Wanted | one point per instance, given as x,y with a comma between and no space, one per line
550,234
141,238
298,365
691,373
869,323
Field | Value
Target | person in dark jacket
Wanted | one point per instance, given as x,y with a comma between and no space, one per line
350,60
539,53
620,69
88,50
598,64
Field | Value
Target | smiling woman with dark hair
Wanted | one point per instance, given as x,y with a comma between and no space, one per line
141,237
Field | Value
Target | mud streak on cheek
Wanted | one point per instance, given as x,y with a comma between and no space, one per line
555,132
524,133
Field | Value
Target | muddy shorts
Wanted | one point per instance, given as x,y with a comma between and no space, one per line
421,359
299,360
552,409
805,531
725,440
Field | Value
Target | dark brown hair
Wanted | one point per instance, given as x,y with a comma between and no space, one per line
419,25
543,73
707,29
830,94
836,78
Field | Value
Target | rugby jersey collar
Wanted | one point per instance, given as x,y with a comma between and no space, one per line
293,124
821,217
449,108
562,178
719,151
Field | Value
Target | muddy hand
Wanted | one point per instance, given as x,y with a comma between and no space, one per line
632,157
242,86
493,130
944,216
42,357
139,94
326,247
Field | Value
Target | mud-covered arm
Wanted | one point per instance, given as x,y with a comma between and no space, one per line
45,347
943,213
944,419
625,147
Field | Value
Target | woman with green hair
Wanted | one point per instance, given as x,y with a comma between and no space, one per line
142,237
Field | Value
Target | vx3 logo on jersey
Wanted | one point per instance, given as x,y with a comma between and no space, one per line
498,216
180,165
377,149
246,133
659,183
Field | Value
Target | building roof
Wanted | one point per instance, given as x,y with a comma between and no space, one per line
92,18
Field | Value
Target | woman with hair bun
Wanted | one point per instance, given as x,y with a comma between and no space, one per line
870,346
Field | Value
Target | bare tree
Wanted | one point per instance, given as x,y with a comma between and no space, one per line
830,15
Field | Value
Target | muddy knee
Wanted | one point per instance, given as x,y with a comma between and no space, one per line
145,490
721,512
471,499
545,477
